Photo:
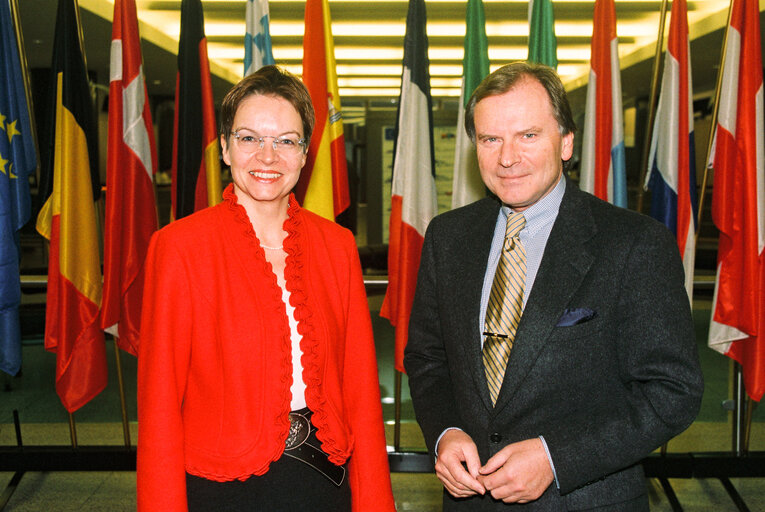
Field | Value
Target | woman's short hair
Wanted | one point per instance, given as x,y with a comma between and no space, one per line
269,81
506,77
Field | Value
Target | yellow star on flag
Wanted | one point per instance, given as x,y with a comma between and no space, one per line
2,164
12,131
2,121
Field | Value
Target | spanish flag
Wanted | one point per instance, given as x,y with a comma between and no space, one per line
68,221
196,156
323,185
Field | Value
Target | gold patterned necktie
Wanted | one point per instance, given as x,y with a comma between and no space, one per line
503,312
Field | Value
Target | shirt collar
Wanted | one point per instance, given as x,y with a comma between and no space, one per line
543,211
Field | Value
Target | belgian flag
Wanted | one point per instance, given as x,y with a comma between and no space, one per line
196,156
68,219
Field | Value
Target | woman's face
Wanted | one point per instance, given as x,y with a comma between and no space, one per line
270,172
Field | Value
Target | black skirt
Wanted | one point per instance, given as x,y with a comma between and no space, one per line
288,485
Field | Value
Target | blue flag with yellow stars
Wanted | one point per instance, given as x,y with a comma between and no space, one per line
17,162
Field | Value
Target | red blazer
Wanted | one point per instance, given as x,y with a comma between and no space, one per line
214,362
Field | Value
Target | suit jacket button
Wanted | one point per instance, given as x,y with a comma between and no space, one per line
495,437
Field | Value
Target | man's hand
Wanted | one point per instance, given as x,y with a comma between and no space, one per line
454,448
519,472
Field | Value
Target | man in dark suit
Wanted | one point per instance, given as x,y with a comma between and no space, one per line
602,365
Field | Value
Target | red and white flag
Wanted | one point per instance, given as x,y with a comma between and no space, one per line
737,327
603,169
131,213
413,194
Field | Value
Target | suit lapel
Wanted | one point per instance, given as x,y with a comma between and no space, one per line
564,264
471,256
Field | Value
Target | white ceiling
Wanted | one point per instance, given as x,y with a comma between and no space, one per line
369,36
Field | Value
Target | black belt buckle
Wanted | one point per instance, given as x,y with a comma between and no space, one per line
298,447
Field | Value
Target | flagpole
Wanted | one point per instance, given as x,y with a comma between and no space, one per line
121,382
739,398
397,423
748,424
652,106
72,430
713,125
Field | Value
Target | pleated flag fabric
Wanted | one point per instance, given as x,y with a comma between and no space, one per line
602,169
413,194
323,185
68,220
18,161
737,327
131,212
672,168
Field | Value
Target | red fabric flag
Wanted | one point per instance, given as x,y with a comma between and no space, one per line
69,220
323,186
603,169
131,213
737,328
196,156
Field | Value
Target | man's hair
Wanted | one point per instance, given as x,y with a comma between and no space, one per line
269,81
510,75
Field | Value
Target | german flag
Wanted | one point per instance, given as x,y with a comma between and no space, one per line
323,185
68,219
196,156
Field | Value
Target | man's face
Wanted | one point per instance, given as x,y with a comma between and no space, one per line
519,144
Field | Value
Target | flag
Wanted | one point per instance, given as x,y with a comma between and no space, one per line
543,46
196,156
737,327
68,220
131,213
413,194
672,169
323,185
17,162
602,170
257,39
467,185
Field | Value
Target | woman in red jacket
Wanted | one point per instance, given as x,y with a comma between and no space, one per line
257,377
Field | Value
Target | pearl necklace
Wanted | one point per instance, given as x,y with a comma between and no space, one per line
272,248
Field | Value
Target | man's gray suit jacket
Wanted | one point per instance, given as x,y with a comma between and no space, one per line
604,392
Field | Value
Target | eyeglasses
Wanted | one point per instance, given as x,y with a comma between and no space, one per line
285,145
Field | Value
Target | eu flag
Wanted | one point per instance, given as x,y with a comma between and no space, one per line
17,162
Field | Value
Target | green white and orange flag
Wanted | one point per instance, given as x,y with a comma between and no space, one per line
68,219
196,156
467,185
323,186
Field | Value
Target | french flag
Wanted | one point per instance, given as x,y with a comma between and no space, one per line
672,176
602,169
413,201
737,327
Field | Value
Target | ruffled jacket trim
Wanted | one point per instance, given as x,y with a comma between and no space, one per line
313,349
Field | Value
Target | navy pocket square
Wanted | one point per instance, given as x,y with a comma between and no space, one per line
576,316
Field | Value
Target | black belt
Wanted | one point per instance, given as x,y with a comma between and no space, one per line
303,445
